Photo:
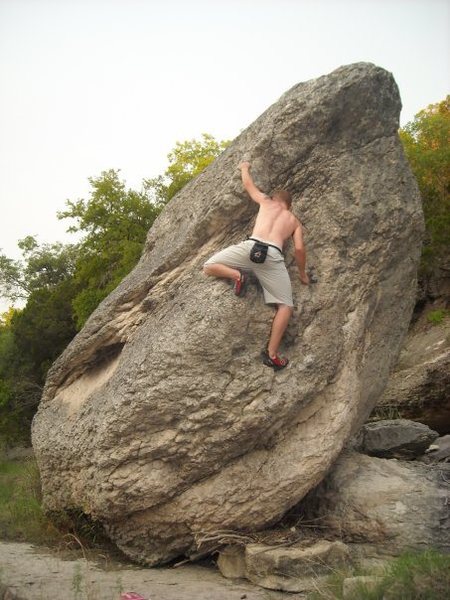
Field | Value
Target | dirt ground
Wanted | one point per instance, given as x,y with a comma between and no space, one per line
32,573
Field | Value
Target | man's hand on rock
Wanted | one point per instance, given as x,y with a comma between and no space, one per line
244,165
304,277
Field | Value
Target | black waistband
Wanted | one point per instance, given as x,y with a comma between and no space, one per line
266,244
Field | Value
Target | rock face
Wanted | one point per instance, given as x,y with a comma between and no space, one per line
419,386
384,506
159,418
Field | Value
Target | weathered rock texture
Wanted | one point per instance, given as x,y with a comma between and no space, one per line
294,569
419,386
159,418
383,507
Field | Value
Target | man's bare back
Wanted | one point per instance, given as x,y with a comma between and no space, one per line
274,223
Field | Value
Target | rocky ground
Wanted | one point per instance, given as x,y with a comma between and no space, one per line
30,573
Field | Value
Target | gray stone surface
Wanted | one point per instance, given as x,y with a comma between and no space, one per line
294,569
159,418
419,386
384,507
395,438
439,451
31,573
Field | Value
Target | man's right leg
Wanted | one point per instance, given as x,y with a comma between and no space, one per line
219,270
229,264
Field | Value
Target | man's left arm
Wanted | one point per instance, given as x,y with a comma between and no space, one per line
249,185
300,253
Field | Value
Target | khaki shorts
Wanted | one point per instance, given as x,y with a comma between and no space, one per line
272,273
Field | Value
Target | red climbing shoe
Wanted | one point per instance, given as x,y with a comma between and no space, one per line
276,362
240,285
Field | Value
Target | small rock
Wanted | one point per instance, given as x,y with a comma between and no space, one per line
293,569
231,562
397,438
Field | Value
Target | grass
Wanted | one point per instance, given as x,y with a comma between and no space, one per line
21,516
412,576
23,520
436,317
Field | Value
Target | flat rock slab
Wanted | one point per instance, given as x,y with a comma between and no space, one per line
159,419
294,569
34,575
395,438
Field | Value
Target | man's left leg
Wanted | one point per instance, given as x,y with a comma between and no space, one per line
279,324
276,285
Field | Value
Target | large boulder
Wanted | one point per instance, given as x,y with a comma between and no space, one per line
159,419
383,507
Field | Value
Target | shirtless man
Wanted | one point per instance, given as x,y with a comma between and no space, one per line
274,224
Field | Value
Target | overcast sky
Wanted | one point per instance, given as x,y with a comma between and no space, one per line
92,85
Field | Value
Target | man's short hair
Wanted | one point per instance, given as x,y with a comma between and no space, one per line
284,196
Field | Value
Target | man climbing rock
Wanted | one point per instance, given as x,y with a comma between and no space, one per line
262,253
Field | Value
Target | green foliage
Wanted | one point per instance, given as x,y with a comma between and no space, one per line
187,160
412,576
31,338
426,144
19,391
42,267
115,222
21,516
436,317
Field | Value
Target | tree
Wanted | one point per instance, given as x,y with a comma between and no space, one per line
115,222
31,338
187,160
426,144
42,266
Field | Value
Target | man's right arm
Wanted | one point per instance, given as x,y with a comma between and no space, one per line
255,194
300,253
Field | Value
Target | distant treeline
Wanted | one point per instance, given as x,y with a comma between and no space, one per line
63,283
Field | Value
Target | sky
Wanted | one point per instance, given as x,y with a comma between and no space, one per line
91,85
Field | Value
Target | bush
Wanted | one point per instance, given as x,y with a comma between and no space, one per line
412,576
437,316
